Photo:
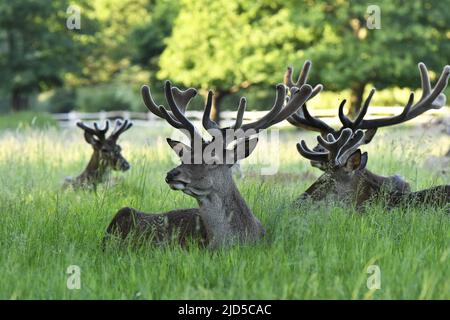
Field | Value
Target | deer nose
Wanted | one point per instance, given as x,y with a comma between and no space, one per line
172,174
125,166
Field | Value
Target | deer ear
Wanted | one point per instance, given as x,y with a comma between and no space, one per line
364,158
180,148
369,134
354,161
91,140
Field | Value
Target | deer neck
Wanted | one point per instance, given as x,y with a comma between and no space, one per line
227,217
95,171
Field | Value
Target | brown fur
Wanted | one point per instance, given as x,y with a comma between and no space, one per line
181,226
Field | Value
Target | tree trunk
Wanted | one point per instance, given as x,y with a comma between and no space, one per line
19,100
217,105
356,98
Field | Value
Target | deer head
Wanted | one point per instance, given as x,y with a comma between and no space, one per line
351,172
107,153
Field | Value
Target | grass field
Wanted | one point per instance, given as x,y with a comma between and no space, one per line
313,252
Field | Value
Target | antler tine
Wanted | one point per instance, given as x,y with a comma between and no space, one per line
240,113
279,113
288,77
183,97
346,122
303,149
304,119
276,108
101,132
425,80
83,126
302,78
434,99
363,110
349,147
185,123
207,122
120,128
150,103
334,145
295,103
430,99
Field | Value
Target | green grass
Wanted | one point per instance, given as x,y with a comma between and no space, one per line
311,252
26,119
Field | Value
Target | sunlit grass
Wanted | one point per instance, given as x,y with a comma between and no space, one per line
309,252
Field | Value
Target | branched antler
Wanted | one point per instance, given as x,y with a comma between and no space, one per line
337,150
432,98
178,101
120,128
101,133
96,131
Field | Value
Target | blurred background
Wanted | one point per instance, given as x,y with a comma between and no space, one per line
235,47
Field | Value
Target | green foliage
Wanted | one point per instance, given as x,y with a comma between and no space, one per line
226,45
26,119
115,45
38,49
108,97
63,100
150,37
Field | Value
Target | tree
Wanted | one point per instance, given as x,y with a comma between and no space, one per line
229,45
37,48
350,55
150,37
115,45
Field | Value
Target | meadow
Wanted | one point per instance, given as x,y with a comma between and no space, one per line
310,252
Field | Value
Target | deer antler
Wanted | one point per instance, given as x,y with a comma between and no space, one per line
178,101
432,98
301,80
99,133
120,128
302,118
176,117
337,150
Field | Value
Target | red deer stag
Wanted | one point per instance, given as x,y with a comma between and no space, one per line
346,177
107,155
205,172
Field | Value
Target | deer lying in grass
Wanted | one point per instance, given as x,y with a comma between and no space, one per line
205,173
346,177
107,155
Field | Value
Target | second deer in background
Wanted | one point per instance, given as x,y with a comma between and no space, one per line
107,155
337,153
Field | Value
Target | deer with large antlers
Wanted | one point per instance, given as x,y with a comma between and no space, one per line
338,154
205,172
107,154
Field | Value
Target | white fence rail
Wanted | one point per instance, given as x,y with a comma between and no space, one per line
146,118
